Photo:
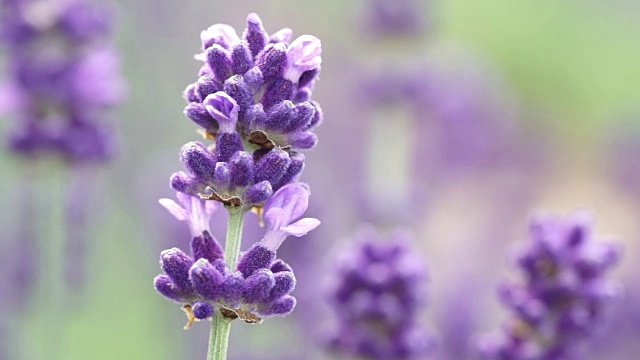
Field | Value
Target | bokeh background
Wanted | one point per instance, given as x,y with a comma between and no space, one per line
512,106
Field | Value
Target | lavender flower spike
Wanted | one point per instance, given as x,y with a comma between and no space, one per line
253,98
565,293
281,212
262,74
195,211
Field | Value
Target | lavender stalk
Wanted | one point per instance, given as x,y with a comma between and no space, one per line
221,326
219,337
253,99
234,236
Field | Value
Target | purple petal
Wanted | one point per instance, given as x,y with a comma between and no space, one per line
301,227
195,211
176,210
282,35
223,108
221,34
275,219
303,54
293,199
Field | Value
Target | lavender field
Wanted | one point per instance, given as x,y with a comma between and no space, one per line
285,180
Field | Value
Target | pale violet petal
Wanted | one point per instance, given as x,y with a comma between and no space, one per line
301,227
176,210
293,199
275,218
282,35
210,207
185,200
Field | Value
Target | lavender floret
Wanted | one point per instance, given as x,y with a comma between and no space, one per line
564,294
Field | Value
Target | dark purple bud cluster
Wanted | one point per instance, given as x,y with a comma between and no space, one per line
253,98
243,179
63,74
259,288
377,298
564,293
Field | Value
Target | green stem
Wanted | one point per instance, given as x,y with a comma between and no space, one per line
221,326
234,236
219,337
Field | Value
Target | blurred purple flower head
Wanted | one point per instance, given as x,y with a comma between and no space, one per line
253,99
377,298
62,74
564,295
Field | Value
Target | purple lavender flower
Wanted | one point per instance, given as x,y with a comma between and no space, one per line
376,298
63,73
253,98
564,295
261,285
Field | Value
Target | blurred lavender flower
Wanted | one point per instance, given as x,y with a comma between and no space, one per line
565,293
377,298
63,72
394,18
253,98
262,284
